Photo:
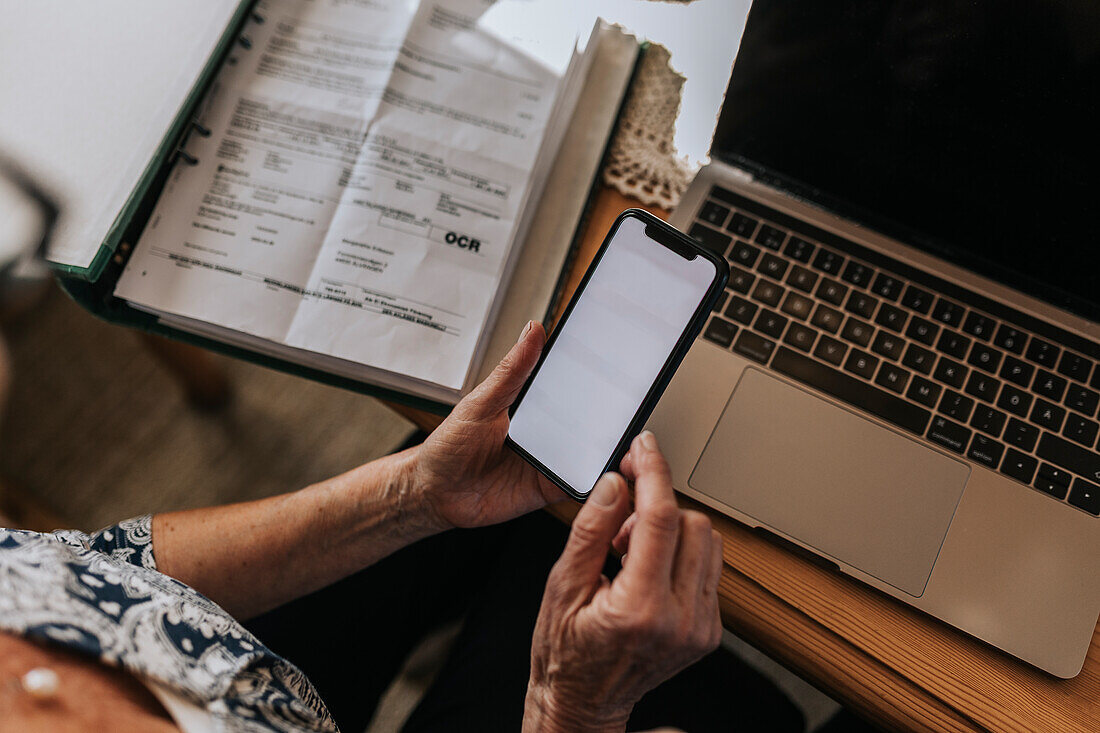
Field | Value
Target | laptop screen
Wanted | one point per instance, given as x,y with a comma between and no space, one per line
970,129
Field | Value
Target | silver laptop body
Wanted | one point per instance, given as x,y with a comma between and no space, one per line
910,515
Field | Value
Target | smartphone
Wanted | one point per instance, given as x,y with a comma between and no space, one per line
632,319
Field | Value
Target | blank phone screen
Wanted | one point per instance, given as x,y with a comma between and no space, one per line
638,302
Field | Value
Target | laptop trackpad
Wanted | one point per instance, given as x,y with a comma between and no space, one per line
837,482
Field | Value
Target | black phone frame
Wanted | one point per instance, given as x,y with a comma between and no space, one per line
668,236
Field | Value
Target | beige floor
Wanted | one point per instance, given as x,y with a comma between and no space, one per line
97,430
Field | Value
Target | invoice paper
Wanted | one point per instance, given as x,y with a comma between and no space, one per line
360,188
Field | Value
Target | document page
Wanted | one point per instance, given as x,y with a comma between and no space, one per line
360,188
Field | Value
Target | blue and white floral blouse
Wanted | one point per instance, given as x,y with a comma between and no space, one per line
101,595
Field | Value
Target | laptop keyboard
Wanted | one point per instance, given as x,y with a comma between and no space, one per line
935,364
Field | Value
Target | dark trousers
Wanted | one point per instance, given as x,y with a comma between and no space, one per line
352,638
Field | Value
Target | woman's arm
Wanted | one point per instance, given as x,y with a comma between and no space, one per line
255,556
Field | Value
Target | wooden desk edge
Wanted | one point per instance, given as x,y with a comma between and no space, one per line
888,683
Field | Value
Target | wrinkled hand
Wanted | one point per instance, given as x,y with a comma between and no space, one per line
467,475
599,645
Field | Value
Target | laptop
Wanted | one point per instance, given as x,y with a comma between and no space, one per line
902,377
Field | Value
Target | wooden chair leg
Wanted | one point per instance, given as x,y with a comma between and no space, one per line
203,379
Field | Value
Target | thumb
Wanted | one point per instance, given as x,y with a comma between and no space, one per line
581,563
500,389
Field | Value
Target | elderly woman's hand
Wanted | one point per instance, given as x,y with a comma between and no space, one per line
467,475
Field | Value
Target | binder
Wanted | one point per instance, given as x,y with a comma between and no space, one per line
538,276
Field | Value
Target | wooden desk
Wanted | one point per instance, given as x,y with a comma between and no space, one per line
888,662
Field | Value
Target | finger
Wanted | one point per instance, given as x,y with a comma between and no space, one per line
655,533
717,562
626,467
693,555
622,540
711,613
577,572
502,386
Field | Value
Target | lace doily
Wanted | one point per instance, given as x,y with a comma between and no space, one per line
642,160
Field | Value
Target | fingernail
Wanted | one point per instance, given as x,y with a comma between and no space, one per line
649,440
606,491
526,330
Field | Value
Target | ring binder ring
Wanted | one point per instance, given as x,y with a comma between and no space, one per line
245,42
258,18
200,128
187,157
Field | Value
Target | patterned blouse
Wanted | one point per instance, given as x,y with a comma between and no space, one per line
101,595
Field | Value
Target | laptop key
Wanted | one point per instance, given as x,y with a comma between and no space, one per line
985,357
892,377
919,358
951,372
741,310
770,237
799,249
858,274
773,266
742,226
982,386
1074,366
1019,465
948,313
860,395
861,363
1041,352
1055,475
1009,339
1081,430
831,291
797,305
800,336
740,280
1021,435
978,326
861,304
953,344
712,239
1069,456
1049,385
1047,484
955,405
802,279
831,350
949,434
770,323
924,391
917,299
828,261
887,287
744,254
754,346
827,318
1048,415
888,345
857,331
714,213
891,317
988,420
720,331
1082,399
1014,400
986,451
922,330
768,293
1085,495
1017,371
